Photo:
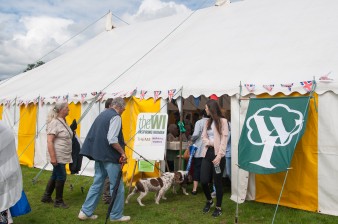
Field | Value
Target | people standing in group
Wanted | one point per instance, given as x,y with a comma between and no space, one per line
106,197
59,145
214,135
196,139
105,144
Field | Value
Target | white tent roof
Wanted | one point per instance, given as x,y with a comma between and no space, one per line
210,51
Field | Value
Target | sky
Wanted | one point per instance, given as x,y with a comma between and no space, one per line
40,30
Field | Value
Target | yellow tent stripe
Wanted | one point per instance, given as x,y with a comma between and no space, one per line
26,134
129,119
301,188
1,110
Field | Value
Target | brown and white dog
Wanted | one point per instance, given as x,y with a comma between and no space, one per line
159,185
182,178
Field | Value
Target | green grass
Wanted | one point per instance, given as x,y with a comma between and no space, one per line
178,208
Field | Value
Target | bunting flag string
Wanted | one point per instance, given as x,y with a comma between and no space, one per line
156,95
250,87
83,97
142,95
268,87
197,101
65,98
42,100
100,97
171,94
307,85
288,85
325,78
94,93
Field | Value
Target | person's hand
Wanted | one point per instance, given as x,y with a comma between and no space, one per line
53,161
123,158
217,160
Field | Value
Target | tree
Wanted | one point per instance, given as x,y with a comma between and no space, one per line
32,66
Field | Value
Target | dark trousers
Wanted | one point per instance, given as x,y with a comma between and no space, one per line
59,172
208,174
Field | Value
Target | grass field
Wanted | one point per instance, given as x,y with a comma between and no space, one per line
178,208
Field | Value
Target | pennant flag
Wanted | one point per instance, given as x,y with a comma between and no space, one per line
250,87
36,100
20,102
325,78
156,95
142,94
83,96
65,98
100,96
133,93
271,131
268,87
197,101
307,85
289,85
171,94
42,100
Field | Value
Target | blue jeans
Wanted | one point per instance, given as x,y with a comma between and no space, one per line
102,169
228,167
59,172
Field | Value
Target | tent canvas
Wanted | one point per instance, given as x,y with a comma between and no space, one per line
210,51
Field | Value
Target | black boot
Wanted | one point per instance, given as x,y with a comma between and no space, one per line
47,196
59,203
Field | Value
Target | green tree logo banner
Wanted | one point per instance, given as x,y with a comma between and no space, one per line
271,132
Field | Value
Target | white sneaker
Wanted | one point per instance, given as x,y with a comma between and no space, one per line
83,216
122,219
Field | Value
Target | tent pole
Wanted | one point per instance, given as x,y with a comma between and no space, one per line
181,145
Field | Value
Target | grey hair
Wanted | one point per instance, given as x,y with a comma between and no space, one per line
119,102
53,113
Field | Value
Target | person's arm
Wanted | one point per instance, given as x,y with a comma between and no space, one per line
197,132
205,137
113,133
51,149
223,142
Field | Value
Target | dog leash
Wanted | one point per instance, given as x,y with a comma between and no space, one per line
116,187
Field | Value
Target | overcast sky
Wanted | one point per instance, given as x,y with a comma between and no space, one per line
30,29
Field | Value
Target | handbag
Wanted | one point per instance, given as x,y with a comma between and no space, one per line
186,154
22,207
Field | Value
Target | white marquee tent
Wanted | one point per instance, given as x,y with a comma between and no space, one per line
210,51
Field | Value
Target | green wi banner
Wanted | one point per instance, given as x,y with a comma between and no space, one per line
271,131
146,166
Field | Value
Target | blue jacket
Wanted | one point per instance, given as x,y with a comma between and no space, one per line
96,145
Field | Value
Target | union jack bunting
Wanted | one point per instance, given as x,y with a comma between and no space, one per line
133,93
36,100
156,95
101,94
83,96
268,87
65,98
325,77
250,87
171,94
143,93
93,93
20,102
289,86
307,85
42,100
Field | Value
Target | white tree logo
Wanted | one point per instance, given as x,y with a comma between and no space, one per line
270,130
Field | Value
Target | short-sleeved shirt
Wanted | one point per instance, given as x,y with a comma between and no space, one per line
62,142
